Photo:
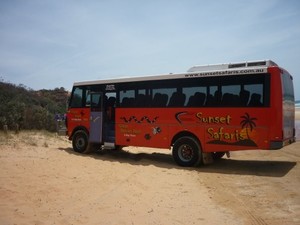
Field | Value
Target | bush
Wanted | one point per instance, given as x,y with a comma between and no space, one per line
30,109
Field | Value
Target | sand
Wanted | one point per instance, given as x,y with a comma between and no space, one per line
297,114
42,181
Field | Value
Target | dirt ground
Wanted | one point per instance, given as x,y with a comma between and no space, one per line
42,181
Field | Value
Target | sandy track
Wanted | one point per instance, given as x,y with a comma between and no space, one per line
44,182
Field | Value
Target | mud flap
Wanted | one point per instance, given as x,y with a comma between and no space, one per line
207,158
227,154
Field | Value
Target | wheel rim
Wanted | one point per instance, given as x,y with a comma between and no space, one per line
185,153
80,142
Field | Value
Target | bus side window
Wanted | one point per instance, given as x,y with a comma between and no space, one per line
218,97
244,97
195,96
160,100
162,96
141,100
231,96
211,96
255,100
177,99
197,99
127,98
88,98
77,98
256,93
214,100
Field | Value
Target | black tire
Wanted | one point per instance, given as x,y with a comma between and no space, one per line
80,141
187,152
217,155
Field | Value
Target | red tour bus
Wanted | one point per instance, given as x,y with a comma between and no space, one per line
200,114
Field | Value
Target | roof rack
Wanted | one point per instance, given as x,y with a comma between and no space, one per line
259,63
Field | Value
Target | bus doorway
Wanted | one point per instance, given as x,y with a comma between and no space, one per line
109,120
96,118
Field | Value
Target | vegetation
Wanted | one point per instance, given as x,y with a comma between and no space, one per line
28,109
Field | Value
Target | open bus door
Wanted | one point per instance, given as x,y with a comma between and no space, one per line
96,118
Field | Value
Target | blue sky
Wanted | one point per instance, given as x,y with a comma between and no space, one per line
48,44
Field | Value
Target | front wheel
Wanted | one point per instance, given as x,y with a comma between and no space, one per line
80,141
186,151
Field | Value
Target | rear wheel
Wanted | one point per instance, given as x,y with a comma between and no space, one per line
80,141
186,151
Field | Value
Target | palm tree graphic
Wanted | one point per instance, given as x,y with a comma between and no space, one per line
248,122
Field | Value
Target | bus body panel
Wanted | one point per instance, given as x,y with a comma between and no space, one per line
283,108
142,127
78,118
216,130
275,105
288,107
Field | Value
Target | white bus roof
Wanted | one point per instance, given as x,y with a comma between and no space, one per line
241,68
247,64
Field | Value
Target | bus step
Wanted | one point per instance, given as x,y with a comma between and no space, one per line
207,158
109,145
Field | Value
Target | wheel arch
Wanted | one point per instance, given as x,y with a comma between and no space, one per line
185,134
77,129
